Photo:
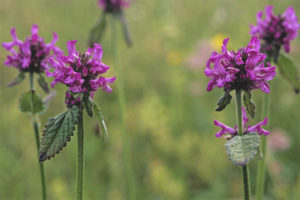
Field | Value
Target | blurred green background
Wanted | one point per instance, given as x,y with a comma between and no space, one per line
169,114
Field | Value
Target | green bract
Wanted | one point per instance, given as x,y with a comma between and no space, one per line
249,104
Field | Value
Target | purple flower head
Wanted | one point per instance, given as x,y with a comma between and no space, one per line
113,5
276,31
243,69
32,55
80,72
233,131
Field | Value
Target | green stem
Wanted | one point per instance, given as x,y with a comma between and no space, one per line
121,101
261,171
245,170
80,156
37,141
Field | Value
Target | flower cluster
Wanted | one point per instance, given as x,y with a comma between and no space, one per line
80,72
113,5
233,131
244,69
32,54
276,31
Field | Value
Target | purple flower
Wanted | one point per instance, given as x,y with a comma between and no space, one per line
113,5
233,131
276,31
32,54
243,69
80,72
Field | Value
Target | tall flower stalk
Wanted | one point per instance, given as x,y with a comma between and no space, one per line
36,127
275,32
31,56
113,11
82,74
241,70
245,171
122,107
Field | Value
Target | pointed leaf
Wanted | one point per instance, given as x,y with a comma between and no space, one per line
126,34
31,102
241,149
17,80
223,101
88,105
289,71
57,133
43,83
99,116
97,31
249,104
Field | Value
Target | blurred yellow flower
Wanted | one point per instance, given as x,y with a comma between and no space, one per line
59,189
174,58
217,40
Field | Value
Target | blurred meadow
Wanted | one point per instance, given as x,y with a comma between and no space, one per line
169,114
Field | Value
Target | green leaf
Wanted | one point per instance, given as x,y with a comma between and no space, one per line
249,104
88,105
57,133
289,71
17,80
126,34
99,116
223,101
31,102
97,31
43,83
241,149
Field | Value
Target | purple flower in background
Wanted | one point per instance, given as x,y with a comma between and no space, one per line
32,54
233,131
276,31
243,69
113,5
80,72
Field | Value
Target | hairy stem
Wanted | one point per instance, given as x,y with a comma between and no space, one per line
80,156
37,141
245,170
121,100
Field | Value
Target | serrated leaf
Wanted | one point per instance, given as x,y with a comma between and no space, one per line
241,149
88,105
43,84
249,104
289,71
223,101
31,102
57,133
99,116
97,31
17,80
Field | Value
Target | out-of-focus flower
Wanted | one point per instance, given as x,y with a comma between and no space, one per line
244,69
276,31
80,72
113,5
279,140
196,60
115,8
31,55
233,131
